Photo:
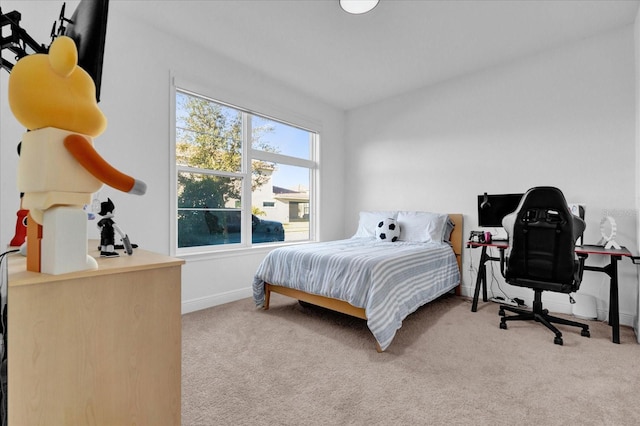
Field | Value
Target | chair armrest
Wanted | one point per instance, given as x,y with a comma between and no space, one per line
581,258
503,263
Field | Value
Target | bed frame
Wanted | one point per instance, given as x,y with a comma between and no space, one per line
347,308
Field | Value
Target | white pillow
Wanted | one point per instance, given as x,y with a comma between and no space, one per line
422,227
370,219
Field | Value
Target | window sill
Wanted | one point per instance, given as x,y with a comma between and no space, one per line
235,252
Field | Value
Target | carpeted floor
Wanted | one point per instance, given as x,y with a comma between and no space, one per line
295,365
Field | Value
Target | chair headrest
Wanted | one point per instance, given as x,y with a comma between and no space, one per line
544,197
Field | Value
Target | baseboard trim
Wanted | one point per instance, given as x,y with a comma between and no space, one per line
215,299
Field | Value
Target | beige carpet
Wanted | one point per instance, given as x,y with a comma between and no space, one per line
293,365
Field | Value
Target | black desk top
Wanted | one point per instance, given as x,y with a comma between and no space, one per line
585,248
594,249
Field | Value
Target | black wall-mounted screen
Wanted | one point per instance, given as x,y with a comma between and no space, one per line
88,28
492,208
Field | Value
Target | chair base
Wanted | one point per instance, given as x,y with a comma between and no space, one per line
542,316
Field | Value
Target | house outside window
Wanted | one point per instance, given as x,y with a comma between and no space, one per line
242,179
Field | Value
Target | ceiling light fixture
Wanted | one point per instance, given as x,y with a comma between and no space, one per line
358,7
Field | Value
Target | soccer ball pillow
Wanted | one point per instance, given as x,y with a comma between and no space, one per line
388,230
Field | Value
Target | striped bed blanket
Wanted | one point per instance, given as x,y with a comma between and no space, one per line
388,280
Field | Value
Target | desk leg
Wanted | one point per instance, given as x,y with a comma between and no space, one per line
614,307
481,281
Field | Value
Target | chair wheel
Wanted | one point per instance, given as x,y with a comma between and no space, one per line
558,341
503,325
585,333
501,312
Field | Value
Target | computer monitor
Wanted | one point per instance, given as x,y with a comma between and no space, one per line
493,207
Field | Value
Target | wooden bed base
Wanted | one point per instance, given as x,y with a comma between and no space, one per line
347,308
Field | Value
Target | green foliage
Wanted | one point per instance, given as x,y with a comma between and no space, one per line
209,137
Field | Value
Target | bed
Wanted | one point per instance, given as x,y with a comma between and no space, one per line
379,281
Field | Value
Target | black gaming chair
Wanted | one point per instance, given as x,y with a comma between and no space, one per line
541,255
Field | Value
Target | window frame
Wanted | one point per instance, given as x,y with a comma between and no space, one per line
248,154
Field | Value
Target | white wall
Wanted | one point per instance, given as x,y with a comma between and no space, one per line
136,98
564,117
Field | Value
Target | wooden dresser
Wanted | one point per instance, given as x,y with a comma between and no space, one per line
96,347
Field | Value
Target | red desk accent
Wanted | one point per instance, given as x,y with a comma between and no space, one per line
611,269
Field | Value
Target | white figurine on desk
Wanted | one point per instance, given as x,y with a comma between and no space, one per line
608,231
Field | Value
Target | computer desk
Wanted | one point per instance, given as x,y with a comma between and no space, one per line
611,270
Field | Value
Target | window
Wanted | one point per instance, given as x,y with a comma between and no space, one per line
242,179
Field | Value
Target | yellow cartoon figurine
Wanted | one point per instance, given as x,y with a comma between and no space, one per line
58,169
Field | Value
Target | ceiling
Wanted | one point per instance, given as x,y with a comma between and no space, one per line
351,60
